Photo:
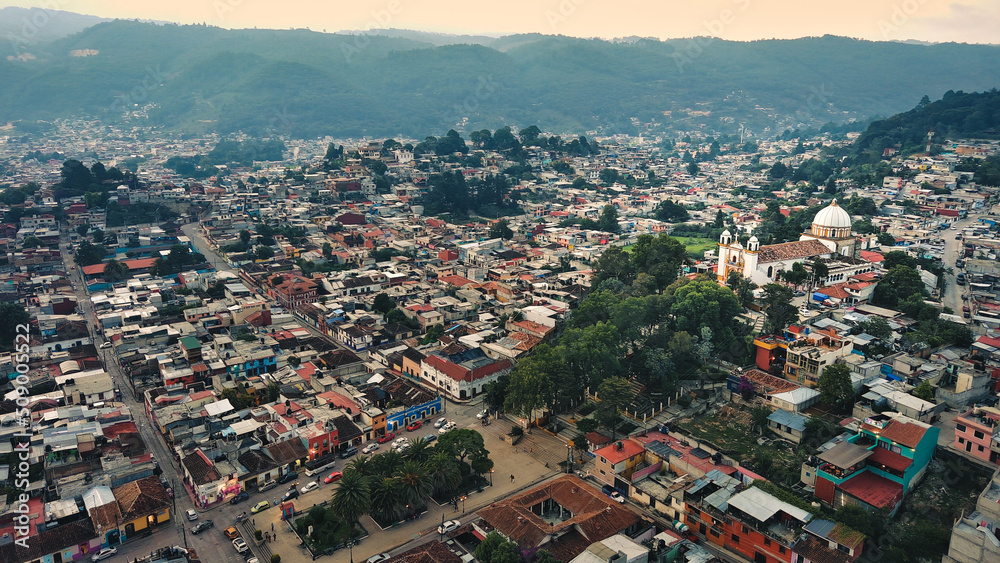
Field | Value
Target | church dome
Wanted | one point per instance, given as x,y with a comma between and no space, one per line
833,217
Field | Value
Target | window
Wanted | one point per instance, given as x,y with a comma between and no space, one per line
736,539
960,427
781,549
980,448
714,532
767,541
978,434
746,530
961,440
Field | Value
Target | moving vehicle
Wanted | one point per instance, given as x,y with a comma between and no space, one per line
240,545
294,493
232,533
309,487
320,466
192,515
288,477
386,437
333,477
104,554
617,497
240,497
483,414
202,526
262,505
449,526
105,345
415,425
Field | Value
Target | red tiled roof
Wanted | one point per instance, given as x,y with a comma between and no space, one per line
870,256
892,460
791,251
873,489
906,433
615,455
137,264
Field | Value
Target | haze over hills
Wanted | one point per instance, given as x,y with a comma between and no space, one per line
306,83
31,26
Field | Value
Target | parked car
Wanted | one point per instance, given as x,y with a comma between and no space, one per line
348,452
104,554
231,532
288,477
386,437
440,422
192,515
483,414
415,425
240,545
430,438
617,497
294,493
268,485
607,489
333,477
105,345
449,526
240,497
370,448
309,487
379,558
202,526
262,505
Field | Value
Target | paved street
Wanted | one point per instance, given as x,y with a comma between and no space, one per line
191,231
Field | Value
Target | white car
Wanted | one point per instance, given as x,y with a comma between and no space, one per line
104,554
370,448
398,441
617,497
379,558
483,414
240,545
449,526
309,487
440,422
105,345
192,515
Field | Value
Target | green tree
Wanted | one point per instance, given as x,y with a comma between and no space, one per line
115,271
742,287
608,221
835,387
31,242
614,393
433,333
899,283
264,252
587,425
885,239
14,314
383,303
415,484
778,308
925,391
759,416
797,274
462,443
877,327
671,212
352,497
692,168
501,230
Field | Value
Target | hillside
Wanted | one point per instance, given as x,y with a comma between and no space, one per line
955,115
23,27
305,83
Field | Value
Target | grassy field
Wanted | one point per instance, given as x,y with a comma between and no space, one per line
696,247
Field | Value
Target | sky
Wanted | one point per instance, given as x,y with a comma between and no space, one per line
968,21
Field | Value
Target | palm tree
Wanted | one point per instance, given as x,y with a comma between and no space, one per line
386,500
351,499
387,463
362,464
415,483
115,271
445,474
418,451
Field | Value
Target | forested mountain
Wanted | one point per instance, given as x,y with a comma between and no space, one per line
21,27
305,83
956,115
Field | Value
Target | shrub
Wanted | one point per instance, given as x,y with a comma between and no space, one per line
275,558
516,430
684,400
258,535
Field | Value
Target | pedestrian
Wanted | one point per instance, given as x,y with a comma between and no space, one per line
532,450
511,478
272,527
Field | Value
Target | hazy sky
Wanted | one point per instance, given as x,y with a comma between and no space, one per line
970,21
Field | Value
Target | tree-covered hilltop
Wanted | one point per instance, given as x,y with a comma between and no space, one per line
304,83
957,115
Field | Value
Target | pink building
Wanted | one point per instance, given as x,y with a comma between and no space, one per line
976,434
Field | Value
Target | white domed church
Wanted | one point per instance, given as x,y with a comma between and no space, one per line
829,237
